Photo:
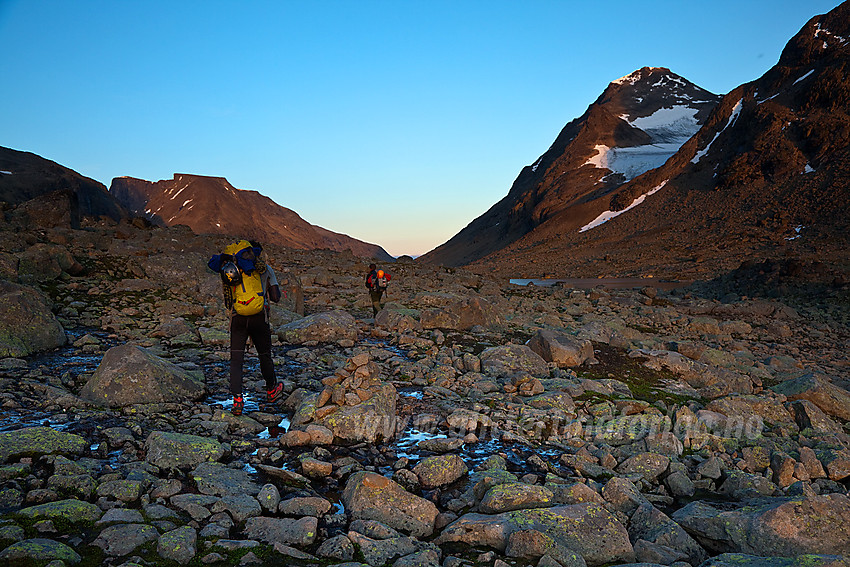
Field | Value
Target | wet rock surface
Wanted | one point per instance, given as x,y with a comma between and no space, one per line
470,423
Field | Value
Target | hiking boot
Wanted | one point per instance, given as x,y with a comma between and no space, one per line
238,405
275,393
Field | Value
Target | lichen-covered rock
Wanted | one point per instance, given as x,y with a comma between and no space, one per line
129,374
506,360
370,496
71,511
178,545
564,350
457,312
218,479
174,451
440,470
326,327
515,496
781,527
39,551
27,325
744,560
122,539
38,441
588,529
830,398
282,530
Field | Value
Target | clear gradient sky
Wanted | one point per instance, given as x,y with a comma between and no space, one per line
394,122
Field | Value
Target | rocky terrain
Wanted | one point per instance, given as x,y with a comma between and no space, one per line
470,423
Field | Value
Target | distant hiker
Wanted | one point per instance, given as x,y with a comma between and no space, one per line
247,282
376,283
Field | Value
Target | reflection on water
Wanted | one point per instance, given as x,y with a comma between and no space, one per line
610,283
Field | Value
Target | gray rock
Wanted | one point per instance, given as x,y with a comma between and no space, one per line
121,516
506,360
515,496
742,486
338,547
269,497
239,506
322,327
623,495
180,545
71,511
27,324
833,400
457,312
305,506
282,530
532,544
38,441
565,351
173,451
440,470
649,465
371,496
39,551
129,375
122,539
783,527
744,560
651,525
588,529
379,552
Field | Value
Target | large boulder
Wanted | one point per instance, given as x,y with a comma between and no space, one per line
173,451
129,374
817,389
507,360
563,350
326,327
457,312
588,529
39,551
27,324
370,496
783,527
38,441
45,262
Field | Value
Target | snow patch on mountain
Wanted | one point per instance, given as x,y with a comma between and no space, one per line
608,215
734,116
668,128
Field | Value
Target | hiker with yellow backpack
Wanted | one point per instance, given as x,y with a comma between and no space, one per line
248,284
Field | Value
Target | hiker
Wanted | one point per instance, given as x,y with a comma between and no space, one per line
376,283
248,282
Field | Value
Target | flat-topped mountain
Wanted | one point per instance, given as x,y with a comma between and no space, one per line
211,205
635,125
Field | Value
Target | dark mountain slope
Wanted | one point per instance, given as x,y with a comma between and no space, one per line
636,124
26,177
769,165
211,205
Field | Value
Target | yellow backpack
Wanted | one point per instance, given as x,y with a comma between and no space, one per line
248,296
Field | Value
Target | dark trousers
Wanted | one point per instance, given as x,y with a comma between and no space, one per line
256,327
376,294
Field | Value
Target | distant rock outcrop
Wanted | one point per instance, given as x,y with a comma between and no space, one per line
48,194
211,205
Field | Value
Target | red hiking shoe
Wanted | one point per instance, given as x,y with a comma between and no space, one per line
275,393
238,405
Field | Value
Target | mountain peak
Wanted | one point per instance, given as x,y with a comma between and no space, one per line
641,75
